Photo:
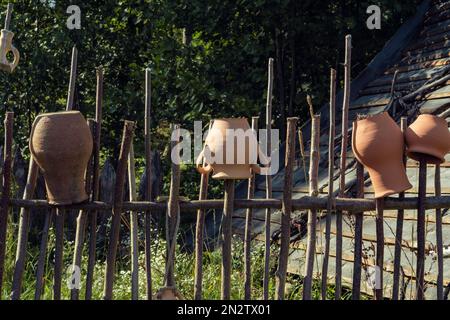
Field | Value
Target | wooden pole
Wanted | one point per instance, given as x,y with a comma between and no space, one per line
439,244
134,227
95,185
343,166
173,208
380,248
117,209
24,221
420,269
82,221
226,239
331,135
359,220
6,191
59,251
148,189
399,233
312,216
287,209
248,228
73,79
40,270
199,230
8,15
268,215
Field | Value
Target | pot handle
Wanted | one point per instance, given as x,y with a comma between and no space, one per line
16,54
200,164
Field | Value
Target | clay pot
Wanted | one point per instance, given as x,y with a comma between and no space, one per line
237,163
428,138
61,144
378,144
5,47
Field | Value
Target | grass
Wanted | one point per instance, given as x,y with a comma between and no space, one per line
184,272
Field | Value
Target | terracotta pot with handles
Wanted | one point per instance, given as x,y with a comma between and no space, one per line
429,138
378,144
236,163
61,144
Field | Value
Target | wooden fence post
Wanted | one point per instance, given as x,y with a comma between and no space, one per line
9,10
343,166
148,189
173,207
117,209
24,221
134,227
439,244
287,209
59,248
268,216
399,232
199,230
40,270
248,228
380,249
6,191
312,216
331,135
82,220
227,236
359,220
420,267
95,185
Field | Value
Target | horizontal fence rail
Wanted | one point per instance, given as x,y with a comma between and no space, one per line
350,206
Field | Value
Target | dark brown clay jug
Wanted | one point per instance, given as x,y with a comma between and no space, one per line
378,144
61,144
428,138
243,158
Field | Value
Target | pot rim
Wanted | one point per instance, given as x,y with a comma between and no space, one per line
372,116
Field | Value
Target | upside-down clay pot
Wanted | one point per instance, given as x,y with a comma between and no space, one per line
428,138
61,144
378,144
235,163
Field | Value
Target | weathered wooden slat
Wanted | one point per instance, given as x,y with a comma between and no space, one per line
226,240
59,252
148,187
117,210
312,215
40,269
6,190
419,66
331,154
439,242
359,220
270,76
95,184
134,227
280,276
199,232
379,221
248,229
421,237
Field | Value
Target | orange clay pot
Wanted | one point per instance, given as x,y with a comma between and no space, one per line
237,163
61,144
378,144
428,138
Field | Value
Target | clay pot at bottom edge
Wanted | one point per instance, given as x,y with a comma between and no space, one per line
378,144
61,144
428,138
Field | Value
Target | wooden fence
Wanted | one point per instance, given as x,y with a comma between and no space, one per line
112,202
